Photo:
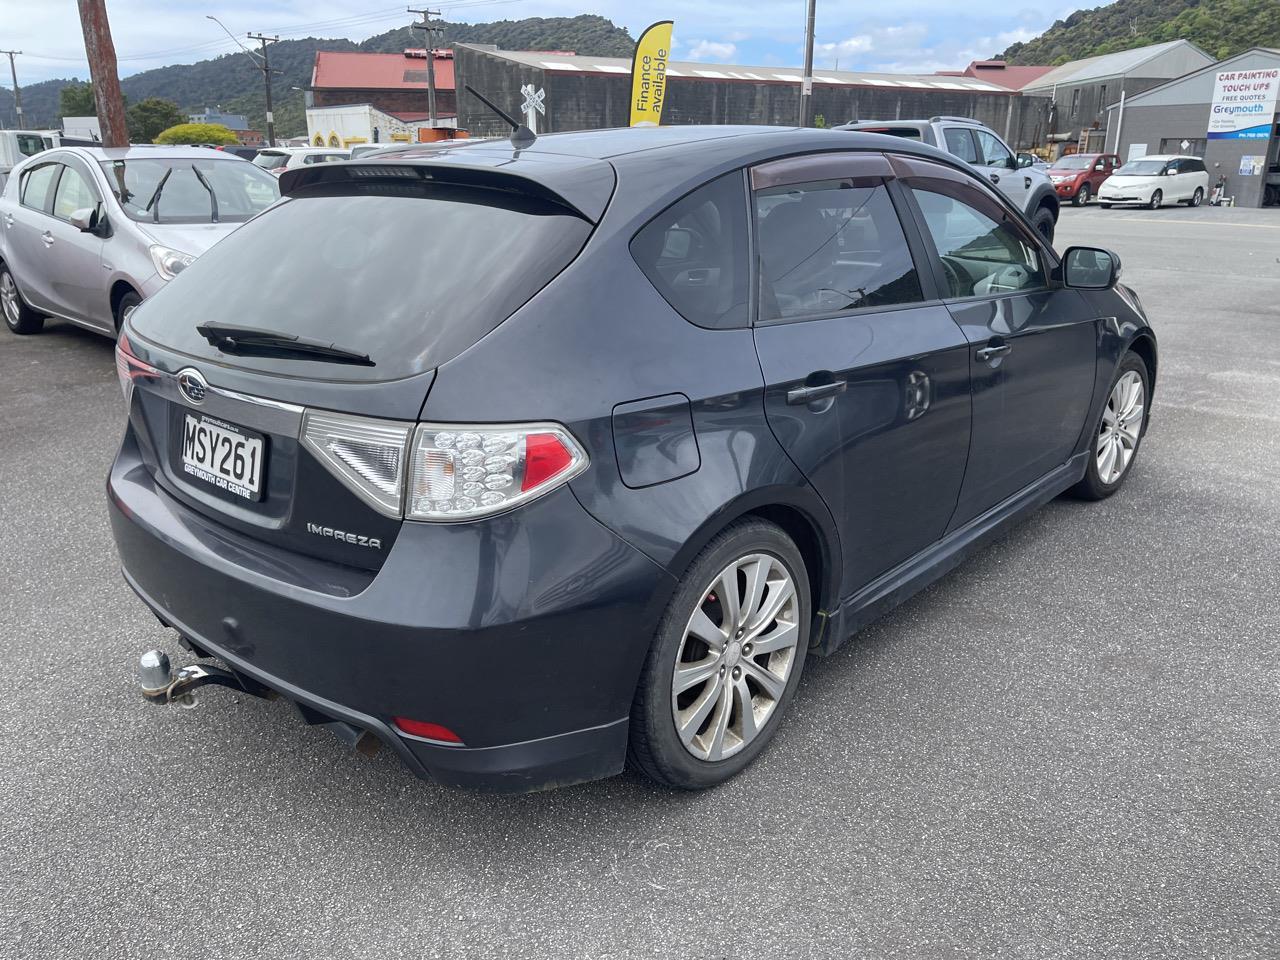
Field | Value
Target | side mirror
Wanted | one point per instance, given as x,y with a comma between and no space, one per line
1024,160
85,219
1090,268
1013,163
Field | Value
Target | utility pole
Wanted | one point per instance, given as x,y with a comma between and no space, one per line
101,53
266,78
17,93
806,84
429,29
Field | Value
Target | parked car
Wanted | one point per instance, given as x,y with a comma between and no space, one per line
277,160
525,461
1032,160
1026,185
90,232
1079,176
1154,181
244,153
17,145
366,148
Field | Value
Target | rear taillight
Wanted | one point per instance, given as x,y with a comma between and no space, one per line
458,472
367,455
426,730
455,471
129,368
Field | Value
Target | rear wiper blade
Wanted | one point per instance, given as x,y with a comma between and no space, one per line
270,343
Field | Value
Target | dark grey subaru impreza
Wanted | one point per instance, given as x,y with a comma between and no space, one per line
525,460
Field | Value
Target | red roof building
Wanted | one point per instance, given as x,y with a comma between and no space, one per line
395,83
999,73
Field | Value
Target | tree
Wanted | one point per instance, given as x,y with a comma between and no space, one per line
196,133
148,118
76,100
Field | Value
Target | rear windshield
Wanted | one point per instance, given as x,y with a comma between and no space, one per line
269,161
190,190
410,275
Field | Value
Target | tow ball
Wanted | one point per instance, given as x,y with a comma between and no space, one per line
161,685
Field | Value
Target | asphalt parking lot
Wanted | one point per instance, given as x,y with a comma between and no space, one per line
1066,748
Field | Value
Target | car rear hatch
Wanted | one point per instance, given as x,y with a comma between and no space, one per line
273,385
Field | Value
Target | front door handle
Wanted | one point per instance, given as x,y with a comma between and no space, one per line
995,177
993,351
799,395
47,238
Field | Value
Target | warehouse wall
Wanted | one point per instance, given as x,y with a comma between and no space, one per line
589,101
1151,124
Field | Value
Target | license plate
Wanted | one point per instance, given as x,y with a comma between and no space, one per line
223,455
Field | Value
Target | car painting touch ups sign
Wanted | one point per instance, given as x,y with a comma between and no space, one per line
1244,101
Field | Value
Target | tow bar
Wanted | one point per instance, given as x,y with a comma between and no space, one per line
161,685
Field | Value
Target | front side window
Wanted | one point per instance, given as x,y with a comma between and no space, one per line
695,254
960,143
74,193
831,246
982,254
36,185
172,190
994,153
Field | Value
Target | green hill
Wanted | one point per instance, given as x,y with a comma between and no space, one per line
1221,27
233,83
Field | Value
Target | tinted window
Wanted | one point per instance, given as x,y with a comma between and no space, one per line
74,193
829,247
982,254
270,161
29,144
412,275
960,143
1192,166
185,190
994,153
695,253
36,184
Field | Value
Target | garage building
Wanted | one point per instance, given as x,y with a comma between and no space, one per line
1175,117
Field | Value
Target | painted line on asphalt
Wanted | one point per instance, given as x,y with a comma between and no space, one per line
1196,223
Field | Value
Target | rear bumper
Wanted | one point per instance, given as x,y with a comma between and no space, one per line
524,634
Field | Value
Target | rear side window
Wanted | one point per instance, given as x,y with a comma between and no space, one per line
411,274
695,253
1191,166
37,184
831,246
960,143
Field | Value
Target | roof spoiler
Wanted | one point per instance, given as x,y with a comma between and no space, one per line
582,186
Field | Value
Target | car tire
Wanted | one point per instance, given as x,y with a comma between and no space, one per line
1044,223
128,303
715,740
18,317
1196,198
1157,198
1120,427
1082,196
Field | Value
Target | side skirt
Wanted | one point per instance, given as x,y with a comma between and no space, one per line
913,575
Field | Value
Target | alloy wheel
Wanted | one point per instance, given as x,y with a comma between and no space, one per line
9,298
738,651
1121,427
1157,198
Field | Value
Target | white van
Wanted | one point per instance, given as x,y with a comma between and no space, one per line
17,145
1156,180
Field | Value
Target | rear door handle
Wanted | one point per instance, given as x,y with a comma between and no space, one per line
993,351
8,219
799,395
47,238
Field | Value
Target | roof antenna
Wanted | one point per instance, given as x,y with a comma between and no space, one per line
521,136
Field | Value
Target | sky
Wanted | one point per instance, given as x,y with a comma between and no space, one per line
906,36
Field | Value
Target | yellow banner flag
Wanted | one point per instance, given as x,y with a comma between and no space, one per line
649,74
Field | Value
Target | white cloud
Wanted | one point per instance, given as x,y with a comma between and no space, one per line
712,50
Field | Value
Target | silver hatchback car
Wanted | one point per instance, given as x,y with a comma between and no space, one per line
88,233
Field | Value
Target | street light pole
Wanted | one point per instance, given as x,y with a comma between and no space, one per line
17,93
806,84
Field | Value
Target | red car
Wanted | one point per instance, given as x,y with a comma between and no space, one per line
1077,177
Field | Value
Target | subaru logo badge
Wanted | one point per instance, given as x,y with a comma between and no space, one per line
193,385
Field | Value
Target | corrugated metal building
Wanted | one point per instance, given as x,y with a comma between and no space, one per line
594,92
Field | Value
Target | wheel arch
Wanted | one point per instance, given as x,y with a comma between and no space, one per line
118,290
1045,196
1144,345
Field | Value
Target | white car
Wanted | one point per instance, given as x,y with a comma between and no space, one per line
1156,180
279,159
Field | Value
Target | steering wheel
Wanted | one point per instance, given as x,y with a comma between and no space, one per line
955,279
